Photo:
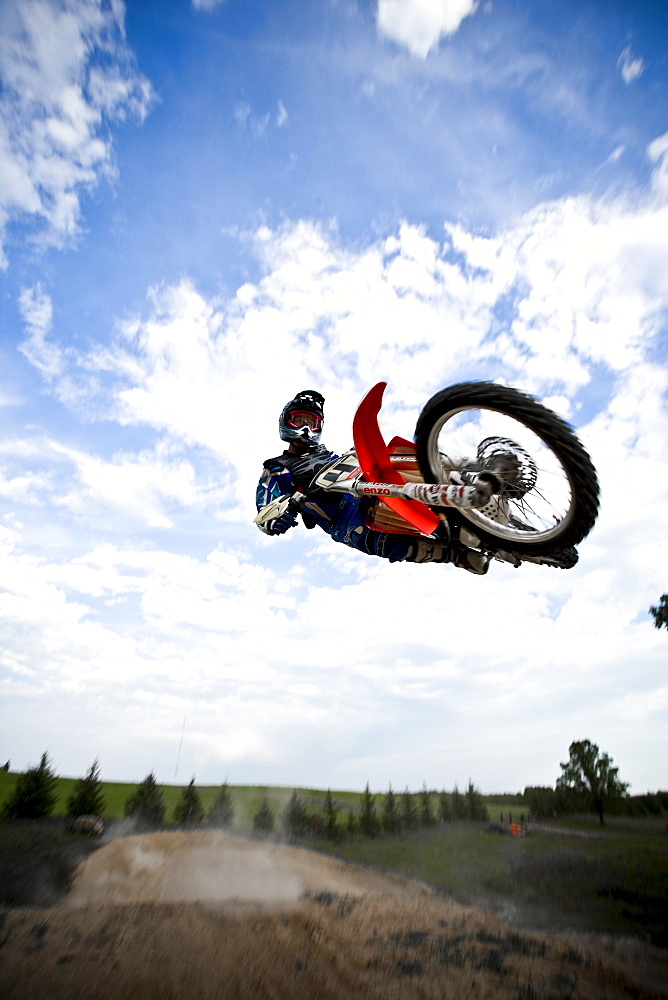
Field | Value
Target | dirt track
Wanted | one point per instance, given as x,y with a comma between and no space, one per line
207,915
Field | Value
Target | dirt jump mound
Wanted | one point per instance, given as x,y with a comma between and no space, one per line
208,915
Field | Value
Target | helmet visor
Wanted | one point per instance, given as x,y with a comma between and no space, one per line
302,418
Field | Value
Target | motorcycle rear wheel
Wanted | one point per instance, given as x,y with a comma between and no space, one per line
548,497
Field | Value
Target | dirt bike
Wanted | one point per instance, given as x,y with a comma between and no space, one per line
490,469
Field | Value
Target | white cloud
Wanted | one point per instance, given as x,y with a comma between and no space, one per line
245,624
207,4
37,312
629,67
419,25
282,116
66,71
572,285
140,486
23,488
257,124
658,153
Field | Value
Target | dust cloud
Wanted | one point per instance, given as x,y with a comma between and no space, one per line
205,914
172,867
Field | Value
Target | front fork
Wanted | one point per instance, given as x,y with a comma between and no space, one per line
476,494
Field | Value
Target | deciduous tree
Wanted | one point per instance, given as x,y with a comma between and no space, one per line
660,612
589,779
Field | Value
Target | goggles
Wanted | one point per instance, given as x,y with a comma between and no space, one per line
302,418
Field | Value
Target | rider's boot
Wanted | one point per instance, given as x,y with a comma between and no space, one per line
470,560
424,551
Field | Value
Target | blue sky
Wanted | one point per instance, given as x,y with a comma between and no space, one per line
205,207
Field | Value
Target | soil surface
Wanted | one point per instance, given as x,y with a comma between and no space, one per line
208,915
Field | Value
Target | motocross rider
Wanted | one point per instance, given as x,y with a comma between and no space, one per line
300,425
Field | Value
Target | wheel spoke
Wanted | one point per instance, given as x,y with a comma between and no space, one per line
548,496
535,497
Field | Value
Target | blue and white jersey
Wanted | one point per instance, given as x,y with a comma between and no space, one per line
276,480
339,515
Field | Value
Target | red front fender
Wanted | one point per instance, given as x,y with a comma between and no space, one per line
374,460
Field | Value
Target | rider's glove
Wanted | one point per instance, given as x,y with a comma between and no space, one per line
282,524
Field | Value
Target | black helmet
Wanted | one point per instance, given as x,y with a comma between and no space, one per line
301,419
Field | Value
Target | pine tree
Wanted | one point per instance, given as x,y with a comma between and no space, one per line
351,823
391,817
368,821
475,807
408,812
263,820
426,811
221,812
444,807
294,816
87,797
34,795
146,804
189,810
459,809
331,829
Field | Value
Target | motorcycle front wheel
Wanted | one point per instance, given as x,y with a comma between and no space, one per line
546,494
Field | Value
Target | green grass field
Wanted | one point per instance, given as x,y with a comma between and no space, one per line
570,877
246,799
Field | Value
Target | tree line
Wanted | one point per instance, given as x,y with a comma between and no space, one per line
34,797
589,782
